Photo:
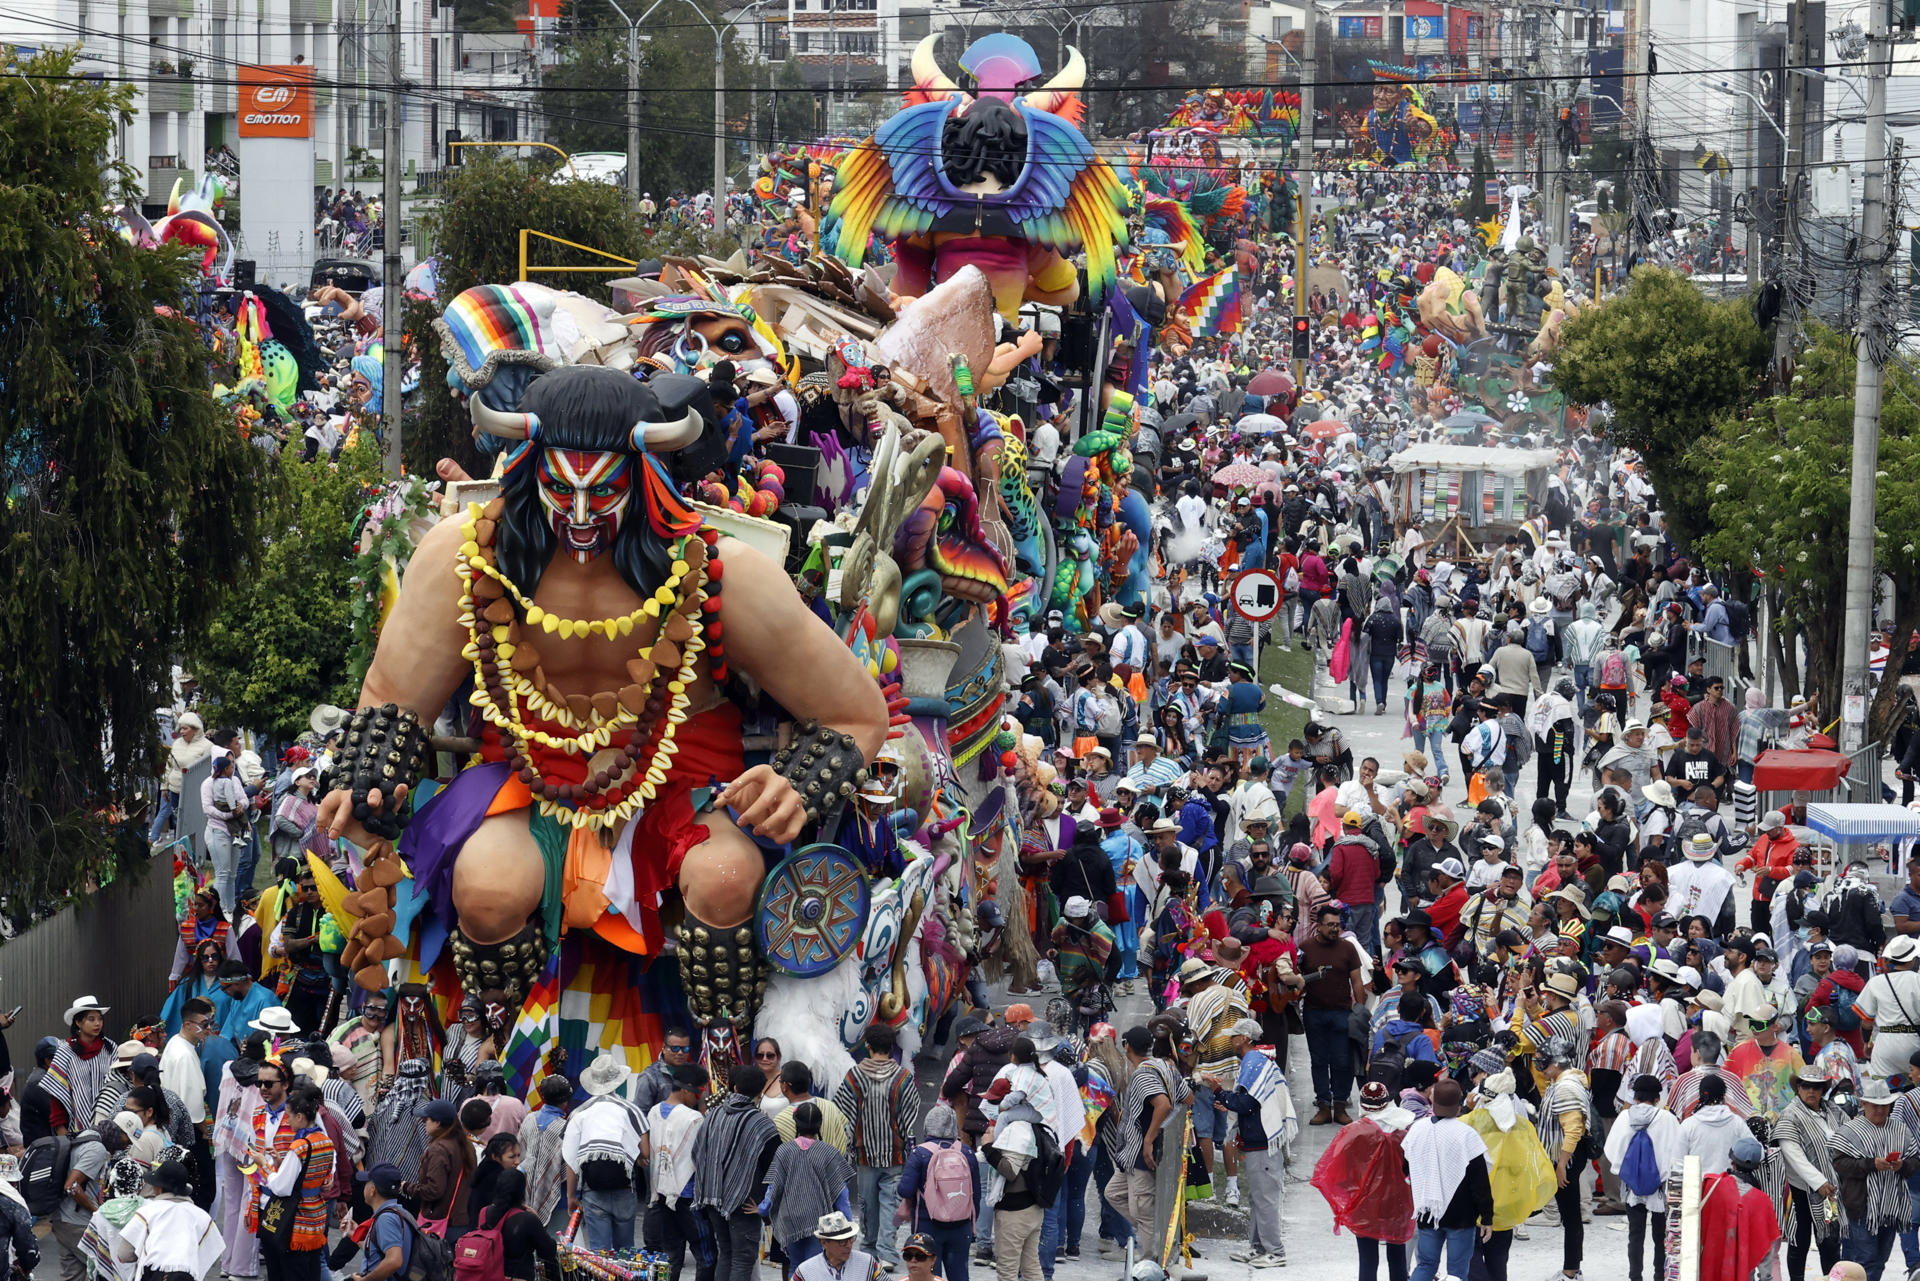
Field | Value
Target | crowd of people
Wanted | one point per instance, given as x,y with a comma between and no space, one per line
1511,1007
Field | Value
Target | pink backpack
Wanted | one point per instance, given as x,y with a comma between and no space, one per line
948,1190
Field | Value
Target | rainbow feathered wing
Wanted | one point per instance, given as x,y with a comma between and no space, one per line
1066,198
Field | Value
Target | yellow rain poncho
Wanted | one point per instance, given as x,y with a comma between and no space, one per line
1522,1176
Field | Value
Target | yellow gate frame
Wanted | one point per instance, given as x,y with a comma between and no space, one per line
526,270
519,142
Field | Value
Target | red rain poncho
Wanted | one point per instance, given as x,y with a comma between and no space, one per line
1364,1179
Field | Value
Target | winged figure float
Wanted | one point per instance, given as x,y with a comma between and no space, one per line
988,174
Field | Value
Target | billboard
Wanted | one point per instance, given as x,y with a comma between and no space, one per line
1429,28
276,102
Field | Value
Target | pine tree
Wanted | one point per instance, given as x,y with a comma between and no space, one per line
131,502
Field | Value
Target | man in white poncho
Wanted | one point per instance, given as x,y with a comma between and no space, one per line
1452,1188
1257,1096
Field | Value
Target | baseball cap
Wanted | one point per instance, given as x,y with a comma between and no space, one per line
385,1177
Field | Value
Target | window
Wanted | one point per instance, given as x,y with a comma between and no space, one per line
1281,25
219,42
802,42
858,42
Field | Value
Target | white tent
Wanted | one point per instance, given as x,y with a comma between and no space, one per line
1466,486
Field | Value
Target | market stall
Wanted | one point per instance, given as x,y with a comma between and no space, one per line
1448,490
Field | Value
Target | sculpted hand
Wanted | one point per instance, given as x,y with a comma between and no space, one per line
336,813
767,804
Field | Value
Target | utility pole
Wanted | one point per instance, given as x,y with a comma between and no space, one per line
1303,203
1643,159
1856,679
1793,165
1555,63
633,98
392,358
719,131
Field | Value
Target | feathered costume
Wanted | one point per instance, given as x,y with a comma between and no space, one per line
991,177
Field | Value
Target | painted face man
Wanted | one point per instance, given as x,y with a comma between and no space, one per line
586,495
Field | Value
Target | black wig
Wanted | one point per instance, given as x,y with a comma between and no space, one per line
989,138
591,407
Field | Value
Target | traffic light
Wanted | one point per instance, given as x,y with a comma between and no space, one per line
1302,337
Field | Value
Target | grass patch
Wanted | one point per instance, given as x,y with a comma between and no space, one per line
1283,721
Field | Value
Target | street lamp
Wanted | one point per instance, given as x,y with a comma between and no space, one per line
720,103
1758,105
633,93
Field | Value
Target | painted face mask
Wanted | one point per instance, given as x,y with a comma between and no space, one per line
586,496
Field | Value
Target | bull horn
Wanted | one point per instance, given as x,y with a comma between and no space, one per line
1071,79
506,426
666,437
927,75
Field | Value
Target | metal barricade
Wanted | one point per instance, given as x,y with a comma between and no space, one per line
1722,661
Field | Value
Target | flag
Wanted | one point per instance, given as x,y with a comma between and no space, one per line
534,1032
1211,305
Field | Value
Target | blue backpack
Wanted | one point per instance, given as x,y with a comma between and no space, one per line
1639,1171
1841,1013
1538,643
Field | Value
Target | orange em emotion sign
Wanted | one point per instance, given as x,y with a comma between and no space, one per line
276,102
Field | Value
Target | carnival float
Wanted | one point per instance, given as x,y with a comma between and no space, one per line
654,735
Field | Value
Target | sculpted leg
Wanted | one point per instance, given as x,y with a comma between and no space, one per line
499,944
720,965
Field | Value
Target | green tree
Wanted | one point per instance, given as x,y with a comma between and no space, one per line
1777,481
1667,361
279,645
475,231
676,101
131,502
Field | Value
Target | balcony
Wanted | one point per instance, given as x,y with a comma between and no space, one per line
162,171
166,91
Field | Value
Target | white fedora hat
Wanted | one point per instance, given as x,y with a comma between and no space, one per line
276,1020
82,1006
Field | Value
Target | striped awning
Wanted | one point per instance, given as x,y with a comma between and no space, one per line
1854,824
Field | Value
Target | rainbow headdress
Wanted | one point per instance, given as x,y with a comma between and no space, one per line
493,324
491,317
1211,305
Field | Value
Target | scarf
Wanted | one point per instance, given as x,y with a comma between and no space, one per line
1438,1151
1263,1081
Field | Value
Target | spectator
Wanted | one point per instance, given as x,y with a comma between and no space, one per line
880,1098
600,1147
